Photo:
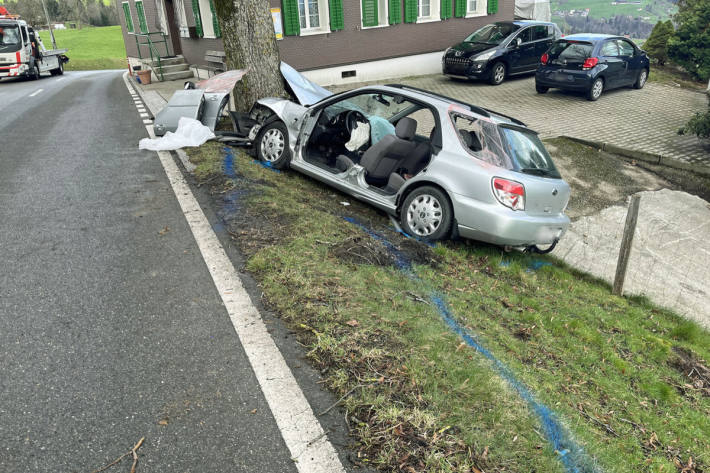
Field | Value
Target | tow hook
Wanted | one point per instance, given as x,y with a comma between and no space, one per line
536,249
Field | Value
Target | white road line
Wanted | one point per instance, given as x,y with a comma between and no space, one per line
147,122
144,115
36,92
60,79
301,431
141,109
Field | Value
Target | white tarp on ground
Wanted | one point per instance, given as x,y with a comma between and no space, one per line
190,132
533,9
670,255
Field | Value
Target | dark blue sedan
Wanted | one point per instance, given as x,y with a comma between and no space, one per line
592,63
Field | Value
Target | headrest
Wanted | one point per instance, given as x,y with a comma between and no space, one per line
471,140
406,128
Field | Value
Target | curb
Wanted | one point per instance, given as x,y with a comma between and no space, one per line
650,158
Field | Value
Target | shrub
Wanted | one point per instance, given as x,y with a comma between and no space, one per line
657,44
689,45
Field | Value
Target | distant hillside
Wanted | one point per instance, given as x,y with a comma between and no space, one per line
633,17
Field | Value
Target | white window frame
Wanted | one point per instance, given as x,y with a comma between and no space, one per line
382,15
434,11
480,10
179,8
206,18
323,18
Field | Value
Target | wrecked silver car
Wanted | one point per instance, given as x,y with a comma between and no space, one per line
442,167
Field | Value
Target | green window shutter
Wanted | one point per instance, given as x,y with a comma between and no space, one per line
215,21
370,15
460,8
395,11
292,23
446,8
129,20
492,7
142,24
198,17
337,22
411,11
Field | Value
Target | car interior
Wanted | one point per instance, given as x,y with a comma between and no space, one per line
376,131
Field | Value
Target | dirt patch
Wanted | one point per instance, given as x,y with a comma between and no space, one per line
363,250
694,370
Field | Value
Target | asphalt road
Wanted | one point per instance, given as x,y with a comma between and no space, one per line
110,326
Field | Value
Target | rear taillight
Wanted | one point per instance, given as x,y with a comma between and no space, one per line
545,57
589,63
509,193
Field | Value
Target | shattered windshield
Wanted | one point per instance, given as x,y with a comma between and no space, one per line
528,152
9,38
492,34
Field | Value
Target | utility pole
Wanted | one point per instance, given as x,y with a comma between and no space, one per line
49,25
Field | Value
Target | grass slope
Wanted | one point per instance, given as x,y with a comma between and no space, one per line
418,398
90,48
660,9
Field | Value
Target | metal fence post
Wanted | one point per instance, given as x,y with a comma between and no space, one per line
626,241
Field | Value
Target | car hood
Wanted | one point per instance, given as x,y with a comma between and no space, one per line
468,50
304,90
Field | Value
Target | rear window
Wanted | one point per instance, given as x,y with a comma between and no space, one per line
527,152
571,50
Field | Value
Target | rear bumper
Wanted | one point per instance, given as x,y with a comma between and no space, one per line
498,225
564,79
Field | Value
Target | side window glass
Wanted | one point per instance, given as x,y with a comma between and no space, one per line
481,139
625,48
24,34
525,35
609,49
539,32
550,31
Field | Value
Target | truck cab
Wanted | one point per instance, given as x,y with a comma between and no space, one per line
22,52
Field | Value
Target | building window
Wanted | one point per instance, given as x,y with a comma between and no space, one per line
309,14
127,14
374,13
475,8
428,10
306,17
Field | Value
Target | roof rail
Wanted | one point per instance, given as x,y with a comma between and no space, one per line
473,108
514,120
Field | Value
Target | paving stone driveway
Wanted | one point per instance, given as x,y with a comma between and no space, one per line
642,120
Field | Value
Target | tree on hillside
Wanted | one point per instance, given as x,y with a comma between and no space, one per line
250,43
657,44
689,47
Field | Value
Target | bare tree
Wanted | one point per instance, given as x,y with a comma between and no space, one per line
250,43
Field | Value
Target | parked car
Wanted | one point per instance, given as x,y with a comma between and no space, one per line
499,50
592,63
441,166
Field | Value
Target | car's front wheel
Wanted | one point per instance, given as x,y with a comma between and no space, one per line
497,73
427,214
641,79
272,145
541,89
595,91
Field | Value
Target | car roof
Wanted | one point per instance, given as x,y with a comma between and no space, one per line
591,37
528,22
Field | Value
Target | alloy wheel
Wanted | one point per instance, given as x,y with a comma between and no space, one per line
272,144
424,215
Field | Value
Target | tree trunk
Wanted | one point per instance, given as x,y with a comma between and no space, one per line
250,43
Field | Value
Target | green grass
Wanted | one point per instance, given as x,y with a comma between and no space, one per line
90,48
660,10
420,400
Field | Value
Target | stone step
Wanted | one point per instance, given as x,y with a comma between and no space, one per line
166,61
172,68
178,75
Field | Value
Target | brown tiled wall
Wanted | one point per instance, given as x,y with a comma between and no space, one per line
353,45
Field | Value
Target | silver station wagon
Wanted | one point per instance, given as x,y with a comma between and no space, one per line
443,168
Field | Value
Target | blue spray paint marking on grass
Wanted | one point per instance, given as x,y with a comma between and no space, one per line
229,163
265,164
574,459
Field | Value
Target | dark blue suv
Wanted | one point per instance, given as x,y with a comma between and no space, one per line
592,63
501,49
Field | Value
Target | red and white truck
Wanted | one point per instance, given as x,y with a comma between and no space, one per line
22,52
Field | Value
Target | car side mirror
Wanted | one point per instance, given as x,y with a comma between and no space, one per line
517,42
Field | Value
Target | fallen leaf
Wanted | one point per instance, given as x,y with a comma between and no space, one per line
253,411
461,345
484,455
164,231
353,323
163,421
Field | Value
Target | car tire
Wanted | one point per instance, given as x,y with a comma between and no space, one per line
541,89
497,73
272,145
59,70
641,79
427,214
595,91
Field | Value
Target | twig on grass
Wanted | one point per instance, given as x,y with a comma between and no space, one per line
117,460
341,399
607,427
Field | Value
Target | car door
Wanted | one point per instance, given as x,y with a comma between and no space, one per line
615,72
542,37
521,57
627,53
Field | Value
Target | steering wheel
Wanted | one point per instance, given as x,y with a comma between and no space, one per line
352,118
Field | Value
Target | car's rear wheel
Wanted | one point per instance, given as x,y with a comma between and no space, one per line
427,214
59,70
497,73
641,79
541,89
272,145
595,91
